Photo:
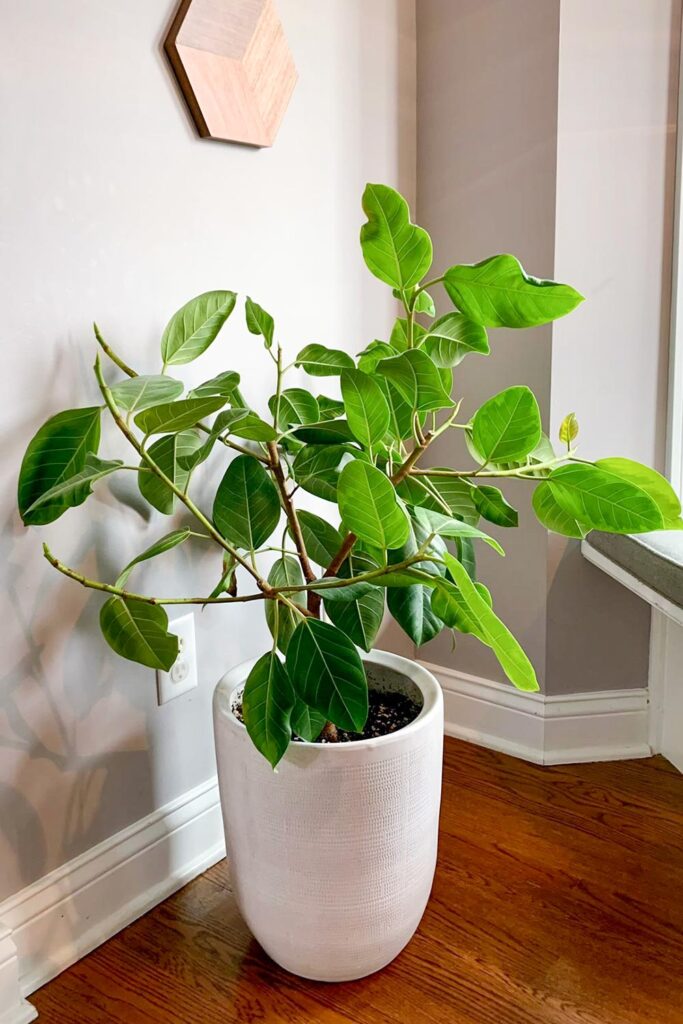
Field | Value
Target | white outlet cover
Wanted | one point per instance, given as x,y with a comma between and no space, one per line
183,674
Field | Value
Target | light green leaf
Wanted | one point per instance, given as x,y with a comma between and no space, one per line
498,293
321,539
58,451
139,631
191,330
171,540
246,508
508,426
296,406
330,408
316,468
306,722
168,452
399,335
434,522
327,674
440,494
366,408
400,413
372,353
417,380
223,385
369,506
285,572
395,250
653,483
604,500
259,321
267,704
70,491
138,393
172,416
453,337
553,516
569,429
451,601
491,504
244,423
424,303
361,616
320,361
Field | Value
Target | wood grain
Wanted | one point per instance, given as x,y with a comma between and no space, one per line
558,900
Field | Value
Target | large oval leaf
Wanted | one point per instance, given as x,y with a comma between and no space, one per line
72,488
395,250
417,380
361,617
372,353
320,361
366,408
267,704
508,426
138,393
321,539
191,330
259,321
325,432
553,516
316,468
411,607
306,723
369,506
400,412
498,293
452,337
295,406
170,453
603,500
246,508
282,620
57,452
223,384
491,504
139,631
653,483
327,673
162,419
243,423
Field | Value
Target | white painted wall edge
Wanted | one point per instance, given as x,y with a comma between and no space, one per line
63,916
631,582
600,726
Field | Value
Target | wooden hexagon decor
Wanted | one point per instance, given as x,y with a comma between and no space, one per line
234,68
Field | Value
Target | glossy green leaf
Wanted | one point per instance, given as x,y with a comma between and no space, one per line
369,506
325,432
244,423
320,361
330,408
139,631
71,491
267,705
366,408
166,543
192,329
400,412
223,385
411,607
508,426
498,293
259,321
316,468
296,406
653,483
285,572
138,393
172,416
168,453
444,526
467,555
450,601
417,380
395,250
57,452
604,500
246,508
306,723
360,617
321,539
452,337
485,625
440,494
399,335
372,353
553,516
327,673
491,504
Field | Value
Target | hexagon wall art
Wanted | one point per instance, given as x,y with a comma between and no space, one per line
233,66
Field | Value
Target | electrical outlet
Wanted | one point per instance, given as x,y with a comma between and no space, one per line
183,674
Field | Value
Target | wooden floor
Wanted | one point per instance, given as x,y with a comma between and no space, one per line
558,900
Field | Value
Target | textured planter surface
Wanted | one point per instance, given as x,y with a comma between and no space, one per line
332,858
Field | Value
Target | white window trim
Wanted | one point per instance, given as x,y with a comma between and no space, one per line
674,447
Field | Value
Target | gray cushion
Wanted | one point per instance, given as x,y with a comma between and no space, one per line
654,558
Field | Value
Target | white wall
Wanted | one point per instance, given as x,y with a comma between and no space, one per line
113,209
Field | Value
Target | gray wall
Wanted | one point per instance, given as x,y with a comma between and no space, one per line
113,209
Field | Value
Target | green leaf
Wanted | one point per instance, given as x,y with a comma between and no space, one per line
369,506
453,337
321,539
70,491
285,572
166,543
434,522
508,426
330,408
424,303
417,380
316,468
553,516
440,494
569,429
366,408
139,631
222,385
491,504
138,393
325,432
296,406
259,322
267,704
327,674
191,330
498,293
411,607
604,500
246,508
360,617
485,625
306,722
404,578
395,250
162,419
450,600
168,452
352,591
467,555
399,335
244,423
320,361
58,451
653,483
400,413
372,353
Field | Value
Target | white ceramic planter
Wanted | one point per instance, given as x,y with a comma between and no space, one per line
332,857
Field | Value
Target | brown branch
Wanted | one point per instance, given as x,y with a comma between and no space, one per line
293,520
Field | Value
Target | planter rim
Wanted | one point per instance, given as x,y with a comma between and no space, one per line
416,673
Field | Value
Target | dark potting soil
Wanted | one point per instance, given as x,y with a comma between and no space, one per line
388,712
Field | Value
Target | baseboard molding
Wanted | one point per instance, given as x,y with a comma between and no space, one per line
60,918
600,726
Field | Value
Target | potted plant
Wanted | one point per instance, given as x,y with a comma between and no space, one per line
332,854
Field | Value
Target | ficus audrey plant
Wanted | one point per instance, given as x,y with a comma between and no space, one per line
406,530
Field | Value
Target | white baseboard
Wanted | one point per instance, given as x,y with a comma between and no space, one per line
60,918
600,726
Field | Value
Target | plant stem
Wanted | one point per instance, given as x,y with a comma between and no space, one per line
290,511
112,355
521,472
